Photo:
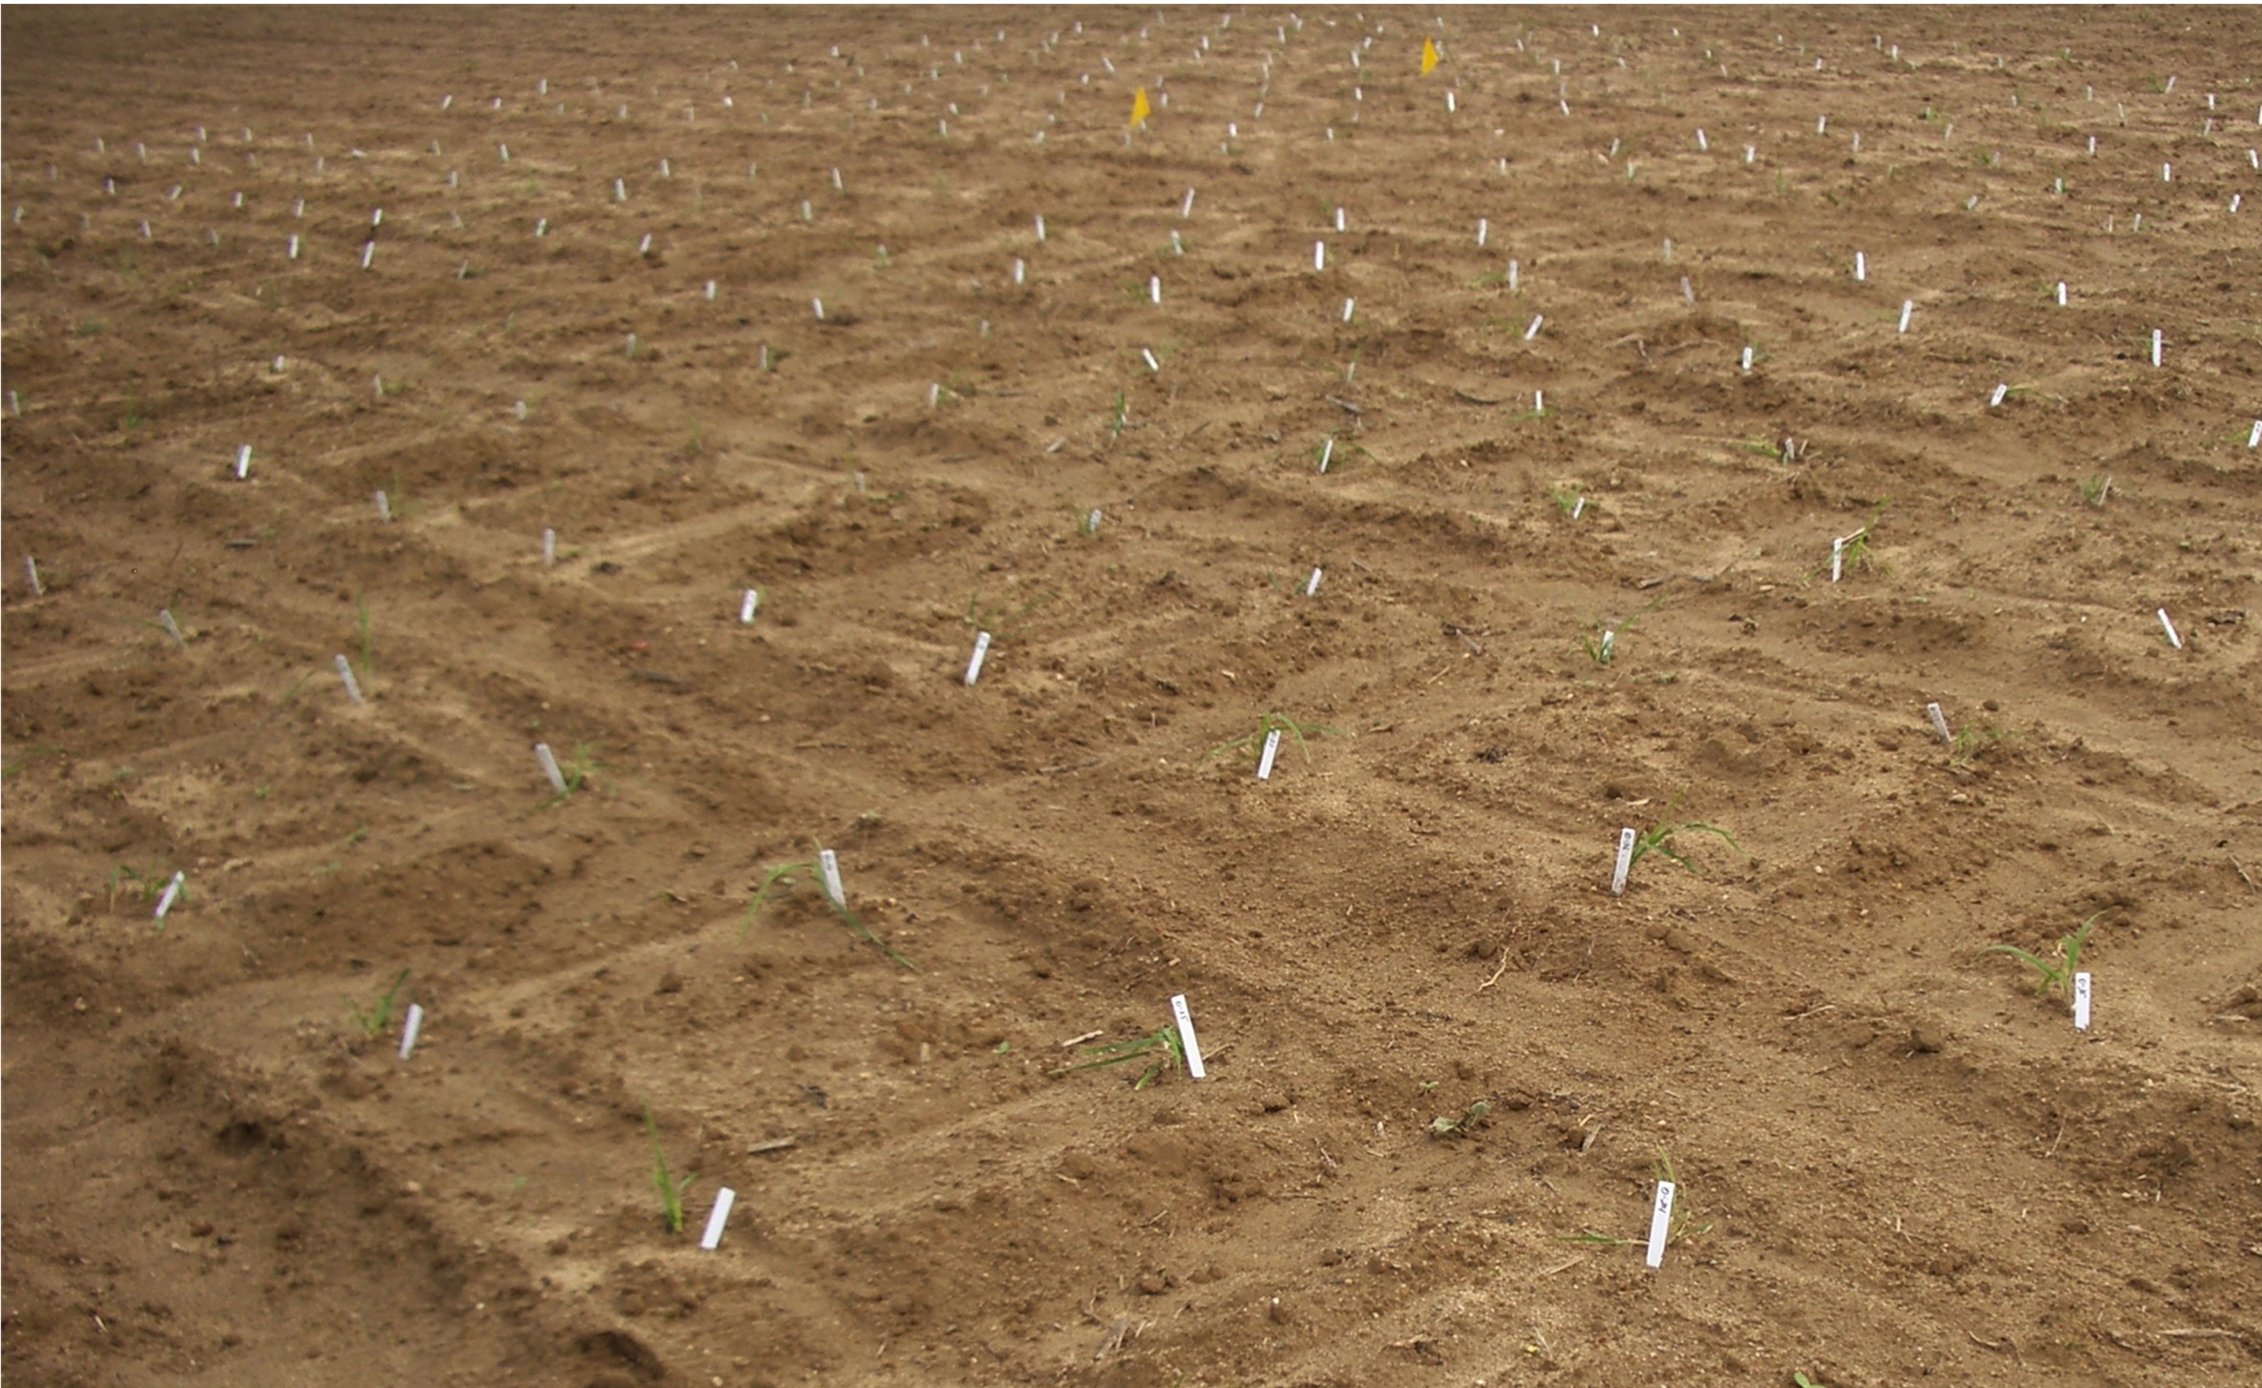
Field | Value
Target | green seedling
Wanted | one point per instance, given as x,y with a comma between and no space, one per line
1659,838
1600,641
1120,416
1271,723
1800,1380
671,1189
29,755
2096,489
782,881
380,1014
140,884
1086,523
579,771
1679,1227
1964,748
2053,977
1161,1050
1467,1122
696,444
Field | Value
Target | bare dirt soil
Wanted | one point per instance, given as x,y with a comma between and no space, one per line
1446,1065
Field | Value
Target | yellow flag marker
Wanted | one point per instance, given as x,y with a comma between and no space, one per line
1140,110
1429,56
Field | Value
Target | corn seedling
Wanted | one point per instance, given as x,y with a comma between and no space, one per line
1600,641
1964,748
1161,1050
782,881
1659,838
2058,976
380,1014
2096,489
1271,723
1683,1208
1800,1380
368,639
579,771
1463,1124
671,1189
142,885
1120,417
999,620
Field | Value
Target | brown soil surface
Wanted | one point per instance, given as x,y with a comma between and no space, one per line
1896,1161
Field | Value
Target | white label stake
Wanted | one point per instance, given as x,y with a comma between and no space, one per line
1272,749
1311,585
1660,1224
2254,435
2170,628
345,677
1327,451
172,894
1939,723
411,1029
550,767
1533,331
243,461
828,874
746,607
1908,306
1625,862
1186,1037
1837,558
549,548
720,1215
2081,1001
2155,346
981,652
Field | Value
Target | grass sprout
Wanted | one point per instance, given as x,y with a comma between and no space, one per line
2095,489
1600,641
1271,723
1659,838
1161,1050
1681,1227
671,1189
782,881
380,1014
2053,976
579,771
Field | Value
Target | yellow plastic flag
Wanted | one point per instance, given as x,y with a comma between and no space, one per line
1140,110
1429,57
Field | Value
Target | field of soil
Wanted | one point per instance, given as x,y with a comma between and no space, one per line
1487,430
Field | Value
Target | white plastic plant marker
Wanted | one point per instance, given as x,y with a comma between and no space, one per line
1271,751
1347,306
1020,270
1149,356
746,606
817,306
1515,272
2061,293
172,894
1939,723
1837,558
1688,292
828,878
1319,255
644,247
1327,451
1751,153
1861,266
1609,639
345,677
549,548
2167,173
1340,223
1703,145
1533,331
2170,628
1539,402
1311,585
710,291
31,575
384,507
519,408
1660,1224
172,628
1040,226
550,769
294,245
1747,359
717,1218
1625,862
1484,231
981,653
411,1028
2081,1001
1154,289
1578,508
1186,207
243,461
1997,397
2155,346
1185,1020
2254,435
368,253
1908,306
